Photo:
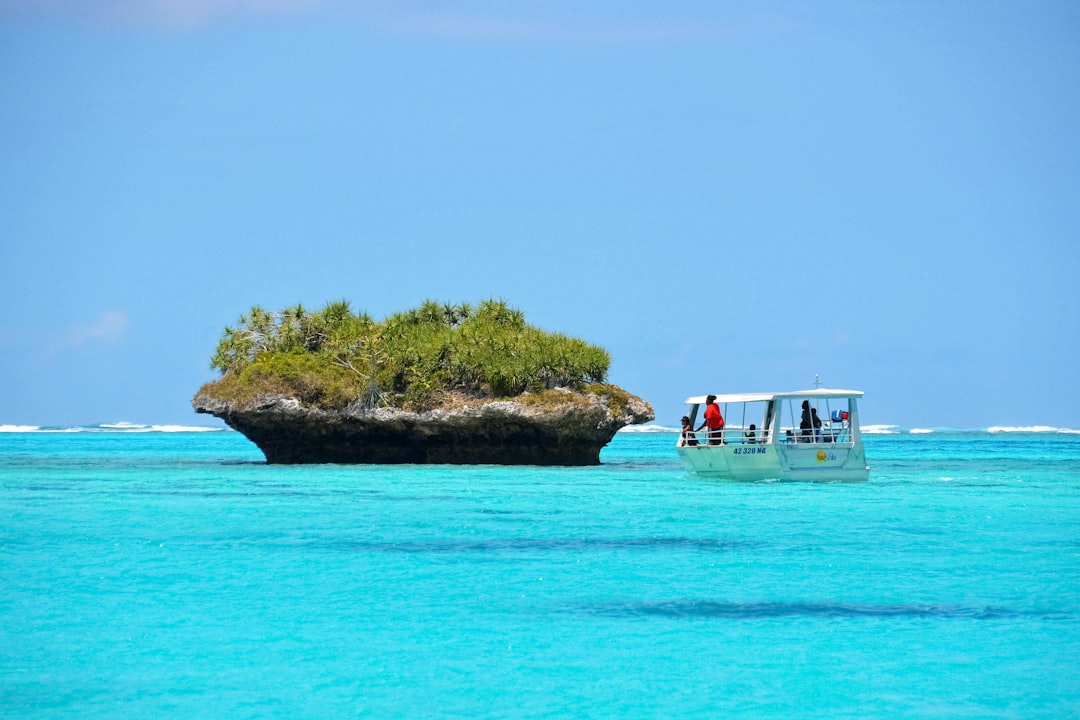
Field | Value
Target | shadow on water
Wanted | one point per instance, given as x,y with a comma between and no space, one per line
552,544
765,610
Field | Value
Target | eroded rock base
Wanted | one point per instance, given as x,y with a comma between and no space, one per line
502,433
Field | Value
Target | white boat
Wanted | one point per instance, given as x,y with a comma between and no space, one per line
765,437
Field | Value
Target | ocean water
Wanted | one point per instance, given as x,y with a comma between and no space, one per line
174,575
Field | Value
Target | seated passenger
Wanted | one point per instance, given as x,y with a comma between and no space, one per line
688,436
751,436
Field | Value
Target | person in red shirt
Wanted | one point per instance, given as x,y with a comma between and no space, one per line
714,420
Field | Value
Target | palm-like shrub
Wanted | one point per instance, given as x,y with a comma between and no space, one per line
334,357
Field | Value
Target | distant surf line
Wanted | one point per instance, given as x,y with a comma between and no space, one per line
884,429
880,429
118,428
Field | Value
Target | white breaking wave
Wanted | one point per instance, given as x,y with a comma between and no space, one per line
19,428
185,428
648,429
897,430
880,429
1032,429
120,427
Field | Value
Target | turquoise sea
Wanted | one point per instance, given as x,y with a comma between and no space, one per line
175,575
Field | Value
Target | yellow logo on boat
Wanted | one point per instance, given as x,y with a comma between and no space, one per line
821,456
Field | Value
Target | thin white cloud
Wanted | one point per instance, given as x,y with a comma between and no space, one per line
474,27
561,23
194,13
178,14
562,28
682,357
109,327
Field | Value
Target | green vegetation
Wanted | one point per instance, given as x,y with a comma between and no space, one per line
334,357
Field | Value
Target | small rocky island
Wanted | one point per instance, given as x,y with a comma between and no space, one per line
441,383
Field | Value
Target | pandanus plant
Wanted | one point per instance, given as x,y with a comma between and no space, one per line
484,350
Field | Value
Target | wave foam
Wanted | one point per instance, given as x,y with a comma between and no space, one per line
647,429
120,427
1031,429
880,429
185,428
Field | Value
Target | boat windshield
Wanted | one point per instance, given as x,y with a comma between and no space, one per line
815,420
746,422
799,417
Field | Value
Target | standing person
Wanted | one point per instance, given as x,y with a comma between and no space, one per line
714,420
806,424
816,422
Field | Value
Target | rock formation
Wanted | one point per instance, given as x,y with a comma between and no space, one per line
565,428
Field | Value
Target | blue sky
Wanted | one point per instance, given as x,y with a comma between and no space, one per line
727,196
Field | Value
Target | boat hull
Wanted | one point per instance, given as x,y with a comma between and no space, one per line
811,462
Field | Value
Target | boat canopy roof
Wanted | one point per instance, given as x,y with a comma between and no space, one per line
761,397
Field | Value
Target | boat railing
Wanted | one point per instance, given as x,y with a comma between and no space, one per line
827,434
834,433
732,436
